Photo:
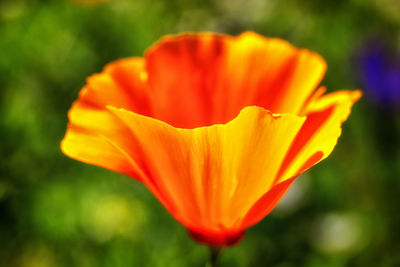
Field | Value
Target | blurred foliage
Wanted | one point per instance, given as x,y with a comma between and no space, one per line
55,211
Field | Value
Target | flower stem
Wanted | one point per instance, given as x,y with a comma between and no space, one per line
215,253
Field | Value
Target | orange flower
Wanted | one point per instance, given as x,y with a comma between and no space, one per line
217,127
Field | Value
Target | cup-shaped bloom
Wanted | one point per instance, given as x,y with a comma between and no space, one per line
217,127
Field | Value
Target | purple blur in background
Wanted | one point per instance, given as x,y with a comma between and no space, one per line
379,72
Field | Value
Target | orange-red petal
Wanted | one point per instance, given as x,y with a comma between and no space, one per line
122,84
95,137
204,79
320,132
213,175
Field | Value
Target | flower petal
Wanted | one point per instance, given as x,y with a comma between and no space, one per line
96,137
184,73
273,74
320,132
202,171
122,84
266,203
209,78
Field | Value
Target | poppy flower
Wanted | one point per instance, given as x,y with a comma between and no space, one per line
217,127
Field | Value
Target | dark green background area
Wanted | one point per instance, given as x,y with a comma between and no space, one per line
55,211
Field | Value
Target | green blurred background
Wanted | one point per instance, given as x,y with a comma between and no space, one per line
55,211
